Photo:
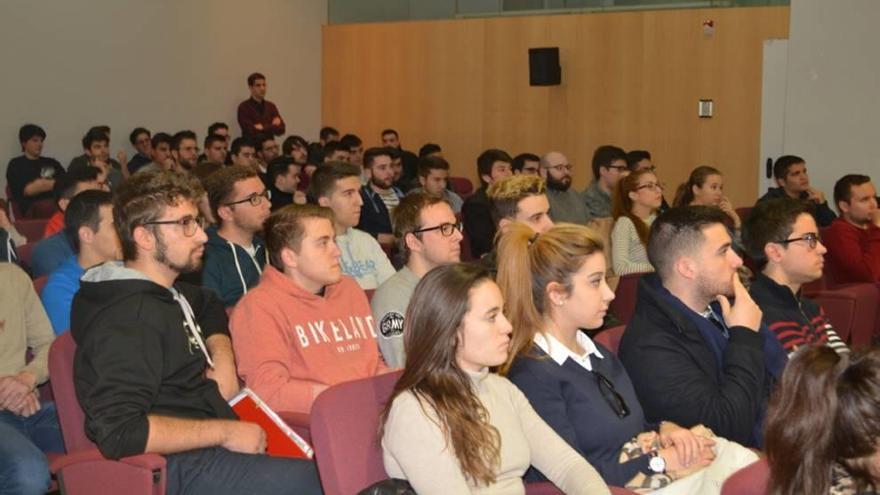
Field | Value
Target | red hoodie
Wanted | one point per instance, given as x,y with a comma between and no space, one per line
291,344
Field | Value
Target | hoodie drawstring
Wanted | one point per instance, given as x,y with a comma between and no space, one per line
238,266
190,325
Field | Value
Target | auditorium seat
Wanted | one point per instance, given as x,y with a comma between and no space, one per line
40,283
462,186
610,337
852,310
624,304
750,480
25,252
743,212
83,469
32,229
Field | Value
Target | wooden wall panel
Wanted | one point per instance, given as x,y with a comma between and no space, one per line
629,78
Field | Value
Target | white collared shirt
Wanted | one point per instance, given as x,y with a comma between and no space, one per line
559,353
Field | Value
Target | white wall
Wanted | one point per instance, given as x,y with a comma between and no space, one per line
832,108
163,64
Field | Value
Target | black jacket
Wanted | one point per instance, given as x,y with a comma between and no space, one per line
478,224
821,212
676,375
134,357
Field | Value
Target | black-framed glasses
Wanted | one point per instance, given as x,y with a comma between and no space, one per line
812,239
254,199
189,224
562,167
619,168
446,229
654,186
611,396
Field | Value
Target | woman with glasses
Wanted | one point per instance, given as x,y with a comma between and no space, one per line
452,426
705,187
636,200
554,285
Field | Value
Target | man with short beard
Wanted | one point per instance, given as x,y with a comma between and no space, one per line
566,205
694,355
853,240
154,365
379,195
185,150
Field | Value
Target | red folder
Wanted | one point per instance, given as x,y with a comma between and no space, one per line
281,440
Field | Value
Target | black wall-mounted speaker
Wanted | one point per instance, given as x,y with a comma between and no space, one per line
544,69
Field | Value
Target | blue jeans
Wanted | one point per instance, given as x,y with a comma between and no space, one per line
24,469
217,471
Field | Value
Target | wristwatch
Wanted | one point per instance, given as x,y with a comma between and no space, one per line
657,464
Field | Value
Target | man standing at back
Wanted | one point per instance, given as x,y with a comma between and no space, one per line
306,326
235,254
853,240
154,364
428,235
257,115
694,355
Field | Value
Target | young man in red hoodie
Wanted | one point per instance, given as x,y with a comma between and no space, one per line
853,240
306,326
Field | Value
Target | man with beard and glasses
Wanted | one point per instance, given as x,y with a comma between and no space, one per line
696,356
154,365
184,151
379,195
566,205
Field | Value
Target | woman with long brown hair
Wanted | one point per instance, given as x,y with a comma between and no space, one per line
636,200
705,187
450,425
823,425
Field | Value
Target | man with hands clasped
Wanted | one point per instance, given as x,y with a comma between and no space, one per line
695,348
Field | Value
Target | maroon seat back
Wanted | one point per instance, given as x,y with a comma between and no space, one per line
26,252
750,480
344,426
624,304
852,310
610,337
462,186
40,283
32,229
743,212
70,414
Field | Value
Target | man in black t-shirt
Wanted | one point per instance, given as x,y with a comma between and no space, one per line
31,176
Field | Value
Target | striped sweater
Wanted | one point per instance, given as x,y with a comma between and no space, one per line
795,320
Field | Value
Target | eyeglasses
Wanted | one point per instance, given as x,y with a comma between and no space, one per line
189,224
563,167
654,186
812,239
530,170
619,168
254,199
648,169
446,229
611,396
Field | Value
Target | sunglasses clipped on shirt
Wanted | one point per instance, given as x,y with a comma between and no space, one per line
611,395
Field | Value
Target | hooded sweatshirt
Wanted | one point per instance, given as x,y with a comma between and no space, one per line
291,344
135,356
229,269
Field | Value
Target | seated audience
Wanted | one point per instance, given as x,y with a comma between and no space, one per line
636,200
853,240
566,205
526,163
409,160
243,153
326,135
823,425
9,239
554,285
96,145
790,173
355,148
782,238
267,150
452,426
184,151
492,165
141,139
705,187
694,356
221,129
235,254
430,149
31,176
215,149
68,185
641,160
160,154
284,177
306,326
335,151
28,427
163,346
88,226
379,196
517,198
297,148
428,235
336,185
257,115
433,176
609,166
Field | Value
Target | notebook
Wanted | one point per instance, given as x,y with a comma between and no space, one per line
281,440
